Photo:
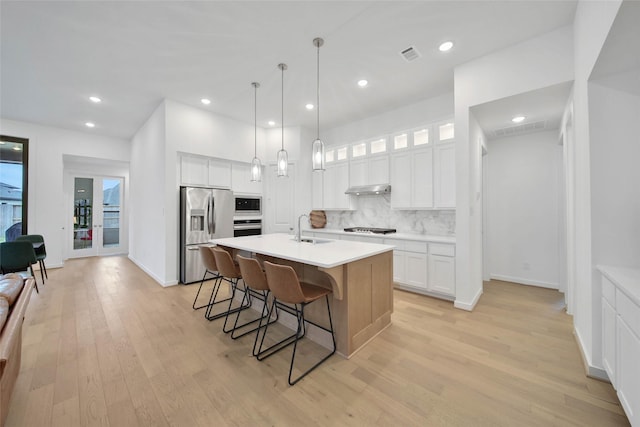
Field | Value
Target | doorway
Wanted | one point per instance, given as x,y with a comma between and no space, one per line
97,210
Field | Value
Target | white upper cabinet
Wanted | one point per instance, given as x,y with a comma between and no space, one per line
444,174
194,170
336,182
206,172
412,179
219,173
369,163
241,179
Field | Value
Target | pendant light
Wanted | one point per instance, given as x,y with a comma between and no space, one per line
317,148
283,158
256,166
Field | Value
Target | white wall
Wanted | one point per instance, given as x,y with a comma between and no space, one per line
615,175
534,64
592,23
407,117
47,145
148,212
522,210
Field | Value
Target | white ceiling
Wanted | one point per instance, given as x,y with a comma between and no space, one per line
54,55
543,105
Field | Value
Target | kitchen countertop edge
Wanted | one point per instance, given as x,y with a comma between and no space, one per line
398,236
626,279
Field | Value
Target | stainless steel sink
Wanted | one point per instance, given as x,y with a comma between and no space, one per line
313,240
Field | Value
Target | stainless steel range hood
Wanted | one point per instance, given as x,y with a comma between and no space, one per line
364,190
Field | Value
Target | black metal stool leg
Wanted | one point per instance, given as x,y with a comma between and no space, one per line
43,267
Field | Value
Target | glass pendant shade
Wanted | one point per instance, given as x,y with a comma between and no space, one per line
283,158
256,166
317,148
256,170
283,163
317,153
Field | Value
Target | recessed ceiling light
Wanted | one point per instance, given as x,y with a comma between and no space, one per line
518,119
90,125
95,99
363,83
272,123
309,106
205,101
446,46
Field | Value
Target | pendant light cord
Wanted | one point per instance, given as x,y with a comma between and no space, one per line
318,94
282,104
255,120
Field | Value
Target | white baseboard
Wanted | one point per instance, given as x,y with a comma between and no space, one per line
468,306
592,371
523,281
153,276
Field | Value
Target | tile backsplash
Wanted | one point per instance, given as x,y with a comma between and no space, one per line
375,211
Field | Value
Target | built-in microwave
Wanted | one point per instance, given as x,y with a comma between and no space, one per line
248,205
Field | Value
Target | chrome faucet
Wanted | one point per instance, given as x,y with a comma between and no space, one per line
299,235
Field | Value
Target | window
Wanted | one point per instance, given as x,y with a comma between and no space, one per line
378,146
329,156
400,141
421,137
342,153
359,150
446,132
14,166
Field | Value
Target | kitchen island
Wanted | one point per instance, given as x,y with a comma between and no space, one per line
359,274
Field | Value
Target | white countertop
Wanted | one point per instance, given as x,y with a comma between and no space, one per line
400,236
625,279
327,254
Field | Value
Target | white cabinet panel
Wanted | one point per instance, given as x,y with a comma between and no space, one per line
442,274
445,176
219,173
194,171
399,268
279,201
422,178
628,378
358,172
241,179
609,340
416,265
336,182
317,195
379,170
401,180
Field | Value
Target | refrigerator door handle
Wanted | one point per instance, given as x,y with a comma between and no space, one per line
212,215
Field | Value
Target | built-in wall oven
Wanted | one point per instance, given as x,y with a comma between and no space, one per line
247,227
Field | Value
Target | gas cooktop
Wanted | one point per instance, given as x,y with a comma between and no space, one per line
370,230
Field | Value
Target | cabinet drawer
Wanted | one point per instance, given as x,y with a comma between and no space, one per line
419,247
629,312
609,291
444,250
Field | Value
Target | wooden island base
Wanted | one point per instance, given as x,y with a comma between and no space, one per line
366,288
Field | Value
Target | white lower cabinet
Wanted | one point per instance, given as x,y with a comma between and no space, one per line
416,264
621,337
442,274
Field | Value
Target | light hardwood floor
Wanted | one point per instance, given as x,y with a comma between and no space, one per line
105,345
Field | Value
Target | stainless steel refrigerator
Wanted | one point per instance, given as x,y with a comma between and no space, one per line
205,214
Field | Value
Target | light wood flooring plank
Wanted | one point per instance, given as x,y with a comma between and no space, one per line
103,344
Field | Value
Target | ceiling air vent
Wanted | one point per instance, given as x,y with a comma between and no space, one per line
409,54
520,129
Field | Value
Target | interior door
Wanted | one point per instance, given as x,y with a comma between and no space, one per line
97,216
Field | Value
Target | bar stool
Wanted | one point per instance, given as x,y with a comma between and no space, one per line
229,272
286,288
256,283
211,268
